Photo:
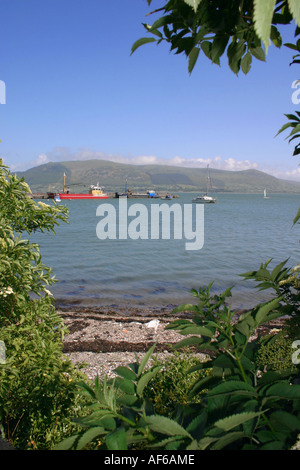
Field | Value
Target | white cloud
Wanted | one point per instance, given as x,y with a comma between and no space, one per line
60,154
41,160
63,154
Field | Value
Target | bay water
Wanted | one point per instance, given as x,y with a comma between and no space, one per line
241,231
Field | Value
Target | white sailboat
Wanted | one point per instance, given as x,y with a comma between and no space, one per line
205,198
265,194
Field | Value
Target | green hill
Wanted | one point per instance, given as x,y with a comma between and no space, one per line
113,176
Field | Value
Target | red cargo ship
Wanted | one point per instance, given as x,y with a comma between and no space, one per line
95,192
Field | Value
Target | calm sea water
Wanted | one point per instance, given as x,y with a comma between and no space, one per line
240,232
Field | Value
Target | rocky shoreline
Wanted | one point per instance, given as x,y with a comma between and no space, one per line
104,338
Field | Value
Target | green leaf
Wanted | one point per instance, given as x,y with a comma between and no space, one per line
89,435
117,440
297,217
144,360
284,421
258,53
66,444
167,426
276,37
229,438
206,47
261,315
144,380
193,56
294,7
191,341
226,424
284,390
235,52
125,373
263,14
277,270
125,385
141,42
128,400
218,47
185,308
232,387
193,3
246,63
197,330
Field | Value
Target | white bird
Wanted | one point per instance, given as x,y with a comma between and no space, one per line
153,324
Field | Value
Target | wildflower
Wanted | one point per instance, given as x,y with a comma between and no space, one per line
5,291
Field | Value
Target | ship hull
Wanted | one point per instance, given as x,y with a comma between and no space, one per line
79,196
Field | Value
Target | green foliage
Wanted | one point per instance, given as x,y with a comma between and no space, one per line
118,410
242,28
275,353
295,125
169,388
285,283
241,406
37,385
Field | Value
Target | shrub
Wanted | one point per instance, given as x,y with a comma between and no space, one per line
169,388
37,384
241,408
275,353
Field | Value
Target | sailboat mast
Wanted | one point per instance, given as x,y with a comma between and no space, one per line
207,180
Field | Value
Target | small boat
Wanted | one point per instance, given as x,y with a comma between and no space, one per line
57,198
167,196
205,199
265,194
95,192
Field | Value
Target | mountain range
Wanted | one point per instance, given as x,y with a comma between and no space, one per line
113,177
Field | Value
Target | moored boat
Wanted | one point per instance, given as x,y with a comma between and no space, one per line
205,198
95,192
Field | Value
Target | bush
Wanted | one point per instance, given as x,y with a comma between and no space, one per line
275,353
169,388
37,384
241,407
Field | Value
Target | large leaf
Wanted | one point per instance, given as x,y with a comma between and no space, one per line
141,42
284,421
297,217
193,56
226,424
197,330
263,311
144,380
227,439
193,3
117,440
232,387
246,63
125,372
144,360
263,14
89,436
294,6
167,426
284,390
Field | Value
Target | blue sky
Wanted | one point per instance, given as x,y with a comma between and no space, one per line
73,91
